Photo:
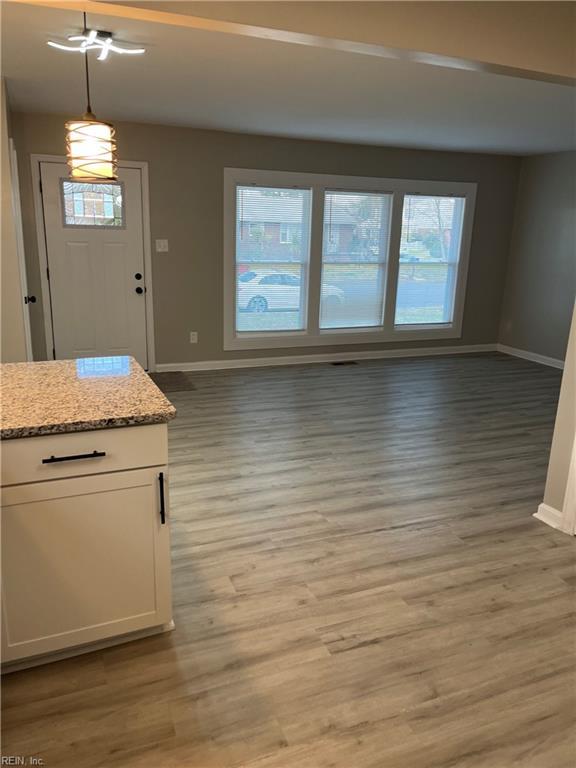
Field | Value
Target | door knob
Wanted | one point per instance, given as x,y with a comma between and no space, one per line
29,299
138,276
139,290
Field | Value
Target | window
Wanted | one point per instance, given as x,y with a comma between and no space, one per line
285,233
92,205
314,260
429,253
355,251
271,274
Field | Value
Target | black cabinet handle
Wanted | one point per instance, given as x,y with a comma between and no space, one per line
29,299
139,290
162,500
75,457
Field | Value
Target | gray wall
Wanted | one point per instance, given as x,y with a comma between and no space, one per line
541,281
186,183
13,336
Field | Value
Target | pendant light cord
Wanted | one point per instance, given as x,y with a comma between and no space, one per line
86,54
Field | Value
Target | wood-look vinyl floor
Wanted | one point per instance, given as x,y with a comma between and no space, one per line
358,583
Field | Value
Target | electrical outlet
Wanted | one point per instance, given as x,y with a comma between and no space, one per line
193,337
161,246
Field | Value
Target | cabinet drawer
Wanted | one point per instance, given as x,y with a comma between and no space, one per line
50,457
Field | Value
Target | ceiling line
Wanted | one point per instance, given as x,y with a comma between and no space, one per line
299,38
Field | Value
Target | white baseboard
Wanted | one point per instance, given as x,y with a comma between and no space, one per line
329,357
532,356
378,354
550,516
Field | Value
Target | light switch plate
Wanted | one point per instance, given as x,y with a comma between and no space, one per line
193,337
161,246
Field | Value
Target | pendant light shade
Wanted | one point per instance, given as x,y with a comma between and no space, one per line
91,149
90,143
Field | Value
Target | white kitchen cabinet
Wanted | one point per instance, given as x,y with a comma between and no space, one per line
86,557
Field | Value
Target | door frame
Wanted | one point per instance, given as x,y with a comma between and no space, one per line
140,165
17,213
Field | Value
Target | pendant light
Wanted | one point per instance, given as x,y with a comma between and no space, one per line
91,143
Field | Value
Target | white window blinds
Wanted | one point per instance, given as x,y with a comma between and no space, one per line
354,257
429,254
272,254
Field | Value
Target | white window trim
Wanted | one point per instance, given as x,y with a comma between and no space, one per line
318,183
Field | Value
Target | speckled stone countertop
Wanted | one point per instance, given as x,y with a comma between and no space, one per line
48,398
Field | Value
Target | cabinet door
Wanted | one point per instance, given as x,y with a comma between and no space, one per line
82,560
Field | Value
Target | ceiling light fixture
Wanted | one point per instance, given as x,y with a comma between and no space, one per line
92,40
90,143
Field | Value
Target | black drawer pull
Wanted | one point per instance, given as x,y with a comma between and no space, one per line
162,501
75,457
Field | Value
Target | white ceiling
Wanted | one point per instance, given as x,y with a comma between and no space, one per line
227,82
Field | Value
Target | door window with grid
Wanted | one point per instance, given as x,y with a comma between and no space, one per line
92,205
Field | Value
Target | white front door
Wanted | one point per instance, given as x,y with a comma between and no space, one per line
95,250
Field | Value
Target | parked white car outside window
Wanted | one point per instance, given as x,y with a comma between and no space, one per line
262,291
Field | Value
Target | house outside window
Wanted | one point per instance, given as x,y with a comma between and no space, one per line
333,240
285,233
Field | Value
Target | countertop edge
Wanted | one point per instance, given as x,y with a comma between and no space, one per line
86,426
